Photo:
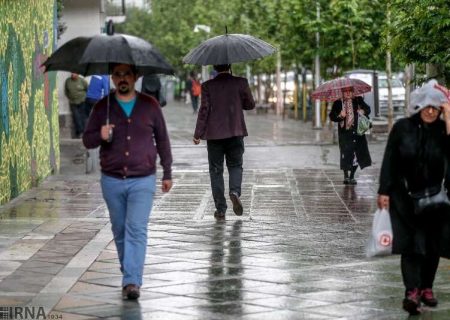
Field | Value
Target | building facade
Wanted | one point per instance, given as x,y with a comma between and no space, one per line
82,18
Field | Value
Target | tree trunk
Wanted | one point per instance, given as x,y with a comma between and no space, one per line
258,89
304,96
409,78
284,87
296,91
436,71
279,103
389,71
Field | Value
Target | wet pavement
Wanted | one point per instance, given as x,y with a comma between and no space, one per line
296,253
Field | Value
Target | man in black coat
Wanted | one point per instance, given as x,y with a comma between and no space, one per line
151,85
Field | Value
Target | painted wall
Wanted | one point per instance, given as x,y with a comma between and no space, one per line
29,131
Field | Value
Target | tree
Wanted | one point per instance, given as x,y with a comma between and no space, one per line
59,13
172,38
352,34
420,33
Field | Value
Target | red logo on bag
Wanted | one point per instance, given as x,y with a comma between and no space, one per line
385,239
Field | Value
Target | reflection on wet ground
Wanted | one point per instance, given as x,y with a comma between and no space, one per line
297,253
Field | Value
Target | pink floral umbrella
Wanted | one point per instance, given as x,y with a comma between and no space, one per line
332,90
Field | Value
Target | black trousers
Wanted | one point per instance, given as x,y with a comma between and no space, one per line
194,101
78,117
232,149
419,271
88,105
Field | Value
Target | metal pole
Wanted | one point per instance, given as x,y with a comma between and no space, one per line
376,98
205,74
318,122
279,104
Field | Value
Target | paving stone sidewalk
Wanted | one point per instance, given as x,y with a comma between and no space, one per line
296,253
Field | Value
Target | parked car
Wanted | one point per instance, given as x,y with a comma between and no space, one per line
398,91
398,95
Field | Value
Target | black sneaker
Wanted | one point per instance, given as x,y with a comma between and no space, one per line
346,181
411,303
237,205
352,182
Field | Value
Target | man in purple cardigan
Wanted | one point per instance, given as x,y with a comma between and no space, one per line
221,122
128,164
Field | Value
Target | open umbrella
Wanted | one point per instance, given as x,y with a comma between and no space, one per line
332,90
227,49
93,55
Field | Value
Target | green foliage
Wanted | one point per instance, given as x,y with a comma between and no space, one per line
353,33
59,13
420,32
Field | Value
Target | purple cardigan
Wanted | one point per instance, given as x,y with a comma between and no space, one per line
136,139
221,113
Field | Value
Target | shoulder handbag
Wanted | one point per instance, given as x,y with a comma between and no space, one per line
363,124
430,199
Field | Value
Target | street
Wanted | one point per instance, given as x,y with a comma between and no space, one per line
296,253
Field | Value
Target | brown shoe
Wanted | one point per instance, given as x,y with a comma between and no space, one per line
219,215
131,291
237,205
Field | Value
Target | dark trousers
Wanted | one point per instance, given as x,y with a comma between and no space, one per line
88,105
194,100
78,116
232,149
418,271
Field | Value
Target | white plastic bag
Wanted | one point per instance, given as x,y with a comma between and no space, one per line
380,239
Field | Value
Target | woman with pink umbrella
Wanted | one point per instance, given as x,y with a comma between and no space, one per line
347,108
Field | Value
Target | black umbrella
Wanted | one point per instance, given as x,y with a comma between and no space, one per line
93,55
229,48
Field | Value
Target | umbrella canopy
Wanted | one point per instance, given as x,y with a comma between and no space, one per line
332,90
227,49
93,55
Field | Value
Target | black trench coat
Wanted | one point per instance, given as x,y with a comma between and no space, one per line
416,153
351,143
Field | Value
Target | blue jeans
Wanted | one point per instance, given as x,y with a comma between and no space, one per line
129,203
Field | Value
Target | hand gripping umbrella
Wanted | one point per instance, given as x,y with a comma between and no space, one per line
96,54
228,49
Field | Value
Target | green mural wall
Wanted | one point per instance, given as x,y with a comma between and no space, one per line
29,131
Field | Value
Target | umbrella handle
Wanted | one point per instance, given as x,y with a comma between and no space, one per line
110,135
110,132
